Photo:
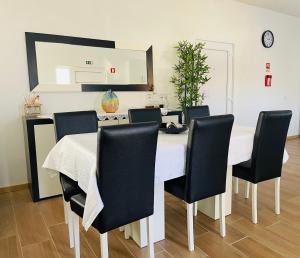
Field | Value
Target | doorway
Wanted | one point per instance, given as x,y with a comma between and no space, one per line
218,90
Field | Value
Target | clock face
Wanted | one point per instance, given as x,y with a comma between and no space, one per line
268,39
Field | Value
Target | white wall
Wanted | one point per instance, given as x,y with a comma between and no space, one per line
137,24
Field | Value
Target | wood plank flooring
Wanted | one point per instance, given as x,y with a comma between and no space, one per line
37,230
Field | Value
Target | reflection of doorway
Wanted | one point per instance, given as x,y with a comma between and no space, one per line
219,89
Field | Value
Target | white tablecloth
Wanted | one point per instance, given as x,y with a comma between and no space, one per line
75,156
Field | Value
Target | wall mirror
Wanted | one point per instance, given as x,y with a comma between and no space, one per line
62,63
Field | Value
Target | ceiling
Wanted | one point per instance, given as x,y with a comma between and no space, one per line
290,7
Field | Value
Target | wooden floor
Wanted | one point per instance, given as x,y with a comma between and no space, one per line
37,230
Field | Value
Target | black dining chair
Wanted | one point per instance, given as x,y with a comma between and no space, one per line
196,112
206,167
68,123
125,176
140,115
267,156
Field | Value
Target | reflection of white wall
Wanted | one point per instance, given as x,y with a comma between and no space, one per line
137,72
130,27
62,76
51,56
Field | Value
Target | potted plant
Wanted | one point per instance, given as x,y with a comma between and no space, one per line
190,73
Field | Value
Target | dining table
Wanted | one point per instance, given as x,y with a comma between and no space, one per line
76,156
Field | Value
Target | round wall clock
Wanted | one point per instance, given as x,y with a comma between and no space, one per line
267,39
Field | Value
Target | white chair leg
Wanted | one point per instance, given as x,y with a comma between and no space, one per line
127,231
236,185
76,234
277,195
65,211
247,189
70,225
150,237
122,228
195,208
104,245
190,226
254,203
222,215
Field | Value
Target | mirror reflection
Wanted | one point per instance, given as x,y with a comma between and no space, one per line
66,64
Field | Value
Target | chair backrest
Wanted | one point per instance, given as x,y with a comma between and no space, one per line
141,115
75,123
196,112
125,173
269,142
207,155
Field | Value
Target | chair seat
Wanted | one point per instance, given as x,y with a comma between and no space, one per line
176,187
246,164
69,187
243,171
77,203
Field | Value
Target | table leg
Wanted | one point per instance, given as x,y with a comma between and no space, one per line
139,228
210,206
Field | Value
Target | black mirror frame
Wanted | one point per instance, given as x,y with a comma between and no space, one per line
32,37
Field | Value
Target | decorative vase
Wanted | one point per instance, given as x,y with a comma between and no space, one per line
110,102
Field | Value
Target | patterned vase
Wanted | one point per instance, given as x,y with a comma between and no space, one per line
110,102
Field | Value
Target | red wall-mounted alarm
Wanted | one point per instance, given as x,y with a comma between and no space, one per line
268,80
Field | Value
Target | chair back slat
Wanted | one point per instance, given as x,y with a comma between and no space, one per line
67,123
125,173
207,155
269,143
196,112
144,115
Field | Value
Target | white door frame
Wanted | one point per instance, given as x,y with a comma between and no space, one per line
228,48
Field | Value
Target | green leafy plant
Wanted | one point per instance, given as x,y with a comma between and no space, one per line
190,74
